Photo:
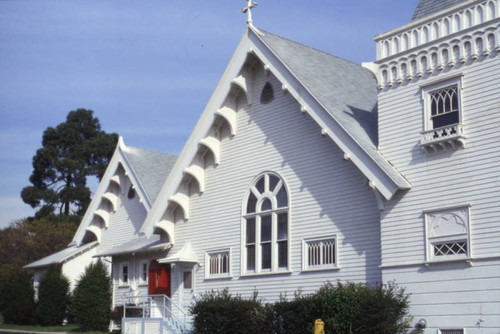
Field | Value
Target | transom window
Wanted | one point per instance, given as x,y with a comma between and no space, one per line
266,226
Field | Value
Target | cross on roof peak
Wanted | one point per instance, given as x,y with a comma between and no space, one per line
248,10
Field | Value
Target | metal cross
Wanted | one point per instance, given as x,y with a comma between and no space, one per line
248,10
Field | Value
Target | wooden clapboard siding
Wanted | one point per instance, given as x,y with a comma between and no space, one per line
124,224
327,196
448,295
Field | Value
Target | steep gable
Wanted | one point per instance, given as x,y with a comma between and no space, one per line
344,108
132,178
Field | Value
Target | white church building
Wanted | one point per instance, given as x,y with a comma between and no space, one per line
306,168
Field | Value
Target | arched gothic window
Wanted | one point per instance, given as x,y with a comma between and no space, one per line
266,226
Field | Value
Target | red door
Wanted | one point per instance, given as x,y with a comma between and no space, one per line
159,279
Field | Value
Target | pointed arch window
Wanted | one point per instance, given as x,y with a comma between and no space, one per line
266,226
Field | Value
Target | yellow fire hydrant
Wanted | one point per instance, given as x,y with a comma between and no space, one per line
319,327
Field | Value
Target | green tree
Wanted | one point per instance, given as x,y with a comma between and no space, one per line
53,297
91,300
25,241
70,152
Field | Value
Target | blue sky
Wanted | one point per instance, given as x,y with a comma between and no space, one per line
147,68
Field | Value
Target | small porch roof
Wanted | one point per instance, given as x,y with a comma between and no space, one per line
61,256
185,254
142,244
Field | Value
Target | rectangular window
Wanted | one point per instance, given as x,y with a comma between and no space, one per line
443,115
188,279
143,272
447,233
124,274
320,253
218,264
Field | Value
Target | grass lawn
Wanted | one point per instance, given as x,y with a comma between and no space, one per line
69,328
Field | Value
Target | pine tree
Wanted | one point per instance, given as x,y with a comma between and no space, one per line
70,152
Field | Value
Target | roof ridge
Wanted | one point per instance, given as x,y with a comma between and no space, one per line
312,48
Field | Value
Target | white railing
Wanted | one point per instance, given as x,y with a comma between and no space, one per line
452,135
159,306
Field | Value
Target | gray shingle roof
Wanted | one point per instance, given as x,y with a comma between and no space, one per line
151,168
61,256
346,90
138,245
428,7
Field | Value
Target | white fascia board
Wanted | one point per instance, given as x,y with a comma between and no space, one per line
139,189
375,173
200,131
117,158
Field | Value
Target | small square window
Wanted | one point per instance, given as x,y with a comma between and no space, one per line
218,264
443,122
320,253
447,234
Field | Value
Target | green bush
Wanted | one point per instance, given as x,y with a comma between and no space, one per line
360,308
291,316
344,308
53,297
91,301
220,312
16,296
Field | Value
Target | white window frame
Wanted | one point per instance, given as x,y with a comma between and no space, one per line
141,272
431,87
305,254
431,241
261,197
208,256
121,280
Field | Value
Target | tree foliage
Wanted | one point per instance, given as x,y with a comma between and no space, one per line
16,296
91,300
70,152
53,297
25,241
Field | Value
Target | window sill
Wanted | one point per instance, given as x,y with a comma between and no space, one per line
124,285
143,284
320,269
222,277
284,272
467,260
443,139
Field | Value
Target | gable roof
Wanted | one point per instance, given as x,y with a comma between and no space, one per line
346,91
428,7
61,256
339,95
147,171
151,168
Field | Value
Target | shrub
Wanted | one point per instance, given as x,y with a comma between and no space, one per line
91,301
344,308
220,312
291,316
53,297
359,308
16,296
